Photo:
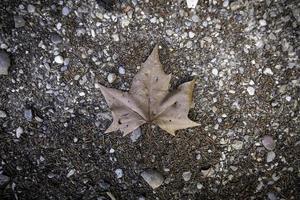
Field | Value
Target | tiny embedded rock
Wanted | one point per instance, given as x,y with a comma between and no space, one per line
153,178
104,184
111,77
136,134
2,114
19,132
237,144
3,180
71,173
31,8
28,114
4,63
191,3
119,173
65,11
251,90
121,70
19,21
59,59
268,142
56,38
186,175
271,156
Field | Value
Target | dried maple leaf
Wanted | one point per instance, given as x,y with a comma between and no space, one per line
149,100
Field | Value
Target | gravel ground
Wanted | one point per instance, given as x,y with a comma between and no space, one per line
243,54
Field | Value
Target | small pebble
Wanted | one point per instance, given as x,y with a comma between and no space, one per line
65,11
195,18
104,184
262,22
2,114
215,72
19,132
121,70
111,150
186,176
272,196
225,3
4,62
199,186
31,8
191,3
270,156
268,71
251,90
56,38
191,34
28,114
119,173
189,44
111,77
115,37
19,21
71,173
153,178
59,59
268,142
238,145
3,180
169,32
136,134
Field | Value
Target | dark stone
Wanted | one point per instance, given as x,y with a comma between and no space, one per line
107,4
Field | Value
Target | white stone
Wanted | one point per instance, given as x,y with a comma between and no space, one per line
65,11
215,71
31,8
195,18
251,90
199,186
225,3
136,134
186,175
169,32
191,3
119,173
262,22
125,22
121,70
59,59
111,77
115,37
268,71
189,44
153,178
259,44
71,173
111,150
19,132
272,196
268,142
81,94
270,156
288,98
97,85
191,34
238,145
2,114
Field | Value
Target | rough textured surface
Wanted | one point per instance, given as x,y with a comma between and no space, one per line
244,56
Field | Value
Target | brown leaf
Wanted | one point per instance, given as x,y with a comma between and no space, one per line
149,100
